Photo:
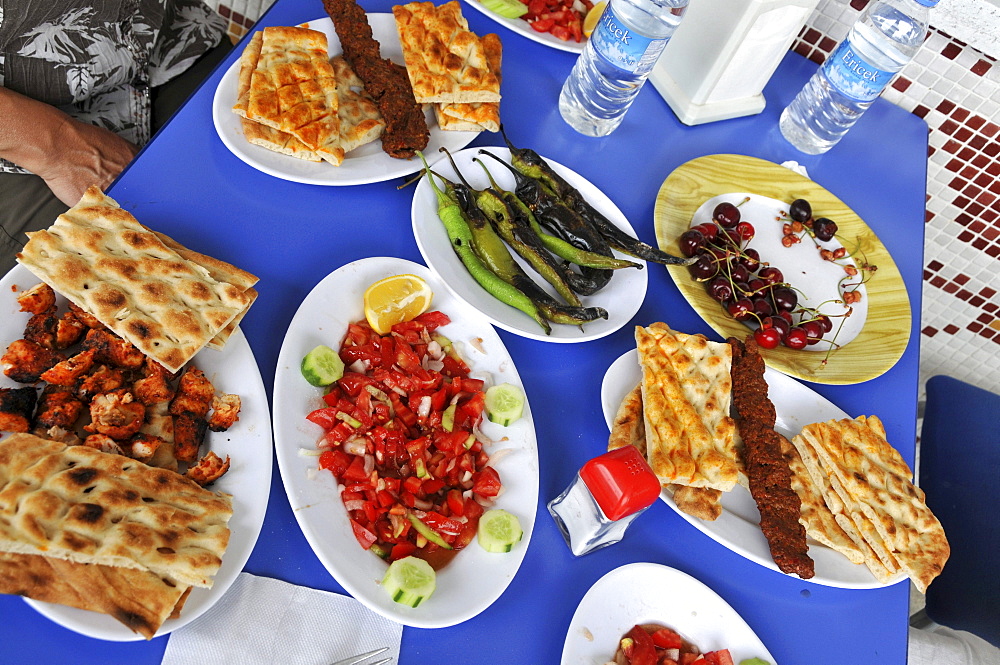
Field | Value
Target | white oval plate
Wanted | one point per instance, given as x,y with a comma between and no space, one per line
815,280
474,578
521,27
738,528
248,443
622,296
640,593
368,163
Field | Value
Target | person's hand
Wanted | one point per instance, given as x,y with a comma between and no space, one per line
87,156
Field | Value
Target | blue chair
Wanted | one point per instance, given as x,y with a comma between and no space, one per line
960,473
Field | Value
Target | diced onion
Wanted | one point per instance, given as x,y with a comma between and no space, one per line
424,407
434,350
369,464
433,365
672,654
359,366
420,504
309,452
481,435
499,455
354,504
311,473
355,446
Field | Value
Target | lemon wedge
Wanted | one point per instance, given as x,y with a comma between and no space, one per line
395,299
593,16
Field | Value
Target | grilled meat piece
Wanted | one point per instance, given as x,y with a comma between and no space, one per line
58,406
69,331
768,473
143,446
103,379
388,84
154,386
86,318
189,432
41,329
26,361
104,443
16,407
116,414
38,299
69,371
194,393
225,412
209,468
113,350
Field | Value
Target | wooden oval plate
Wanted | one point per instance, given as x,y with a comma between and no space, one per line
887,329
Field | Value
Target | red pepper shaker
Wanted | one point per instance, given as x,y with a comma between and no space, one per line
608,493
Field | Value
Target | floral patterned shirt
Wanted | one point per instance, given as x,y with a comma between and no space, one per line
97,59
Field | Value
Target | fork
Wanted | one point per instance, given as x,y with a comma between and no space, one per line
353,660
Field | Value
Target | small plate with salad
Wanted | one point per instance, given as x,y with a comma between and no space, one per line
408,454
681,617
555,23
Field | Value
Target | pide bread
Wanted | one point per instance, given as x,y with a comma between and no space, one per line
686,393
628,428
82,505
445,61
360,120
873,485
104,261
137,598
475,116
293,89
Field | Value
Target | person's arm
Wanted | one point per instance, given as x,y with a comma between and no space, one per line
69,155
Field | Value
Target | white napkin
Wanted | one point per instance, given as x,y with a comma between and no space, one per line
263,621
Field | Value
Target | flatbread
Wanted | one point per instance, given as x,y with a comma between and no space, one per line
445,61
82,505
686,393
104,261
628,428
360,120
875,485
294,90
137,598
475,116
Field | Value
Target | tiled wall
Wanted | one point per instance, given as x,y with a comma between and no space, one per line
954,88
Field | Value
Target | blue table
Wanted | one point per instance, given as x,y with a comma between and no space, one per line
187,184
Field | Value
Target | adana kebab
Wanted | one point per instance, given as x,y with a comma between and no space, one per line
406,129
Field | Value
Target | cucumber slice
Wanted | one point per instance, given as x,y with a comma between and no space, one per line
506,8
427,532
498,531
409,581
322,366
504,403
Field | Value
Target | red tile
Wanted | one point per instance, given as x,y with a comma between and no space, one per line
964,219
935,265
988,306
991,129
984,318
988,333
954,165
991,232
974,327
951,51
961,202
995,186
224,11
987,292
238,18
961,279
981,67
976,226
981,162
966,154
802,49
984,180
963,134
964,294
994,251
968,173
812,36
977,142
965,236
921,111
946,106
827,44
986,198
960,114
972,191
927,275
993,168
951,329
957,184
817,57
976,121
990,215
980,244
950,287
901,84
991,149
952,146
976,301
858,5
930,332
948,126
928,216
937,281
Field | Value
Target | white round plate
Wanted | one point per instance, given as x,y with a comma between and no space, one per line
474,578
640,593
521,27
816,280
738,528
621,297
248,443
368,163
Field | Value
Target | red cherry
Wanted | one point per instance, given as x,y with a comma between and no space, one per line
746,231
767,338
771,274
740,309
813,330
726,214
708,229
778,323
797,338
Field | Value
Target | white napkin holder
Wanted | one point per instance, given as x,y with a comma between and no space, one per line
723,54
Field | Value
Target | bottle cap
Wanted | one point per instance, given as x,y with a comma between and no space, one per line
621,481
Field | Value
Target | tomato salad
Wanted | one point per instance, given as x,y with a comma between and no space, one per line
655,644
563,19
400,436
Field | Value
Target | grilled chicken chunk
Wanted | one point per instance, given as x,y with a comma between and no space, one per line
69,331
104,443
154,386
225,412
16,407
38,299
41,329
103,379
116,414
69,371
113,350
25,361
209,468
58,406
194,393
86,318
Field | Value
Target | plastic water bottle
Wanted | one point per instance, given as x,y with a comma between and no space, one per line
616,61
882,41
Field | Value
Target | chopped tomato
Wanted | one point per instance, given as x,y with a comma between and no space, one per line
364,536
487,483
720,657
643,651
560,18
665,638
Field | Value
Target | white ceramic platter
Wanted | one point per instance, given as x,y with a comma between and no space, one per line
640,593
248,443
738,528
475,578
621,297
368,163
521,27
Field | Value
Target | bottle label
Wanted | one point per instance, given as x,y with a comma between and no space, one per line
852,75
623,47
